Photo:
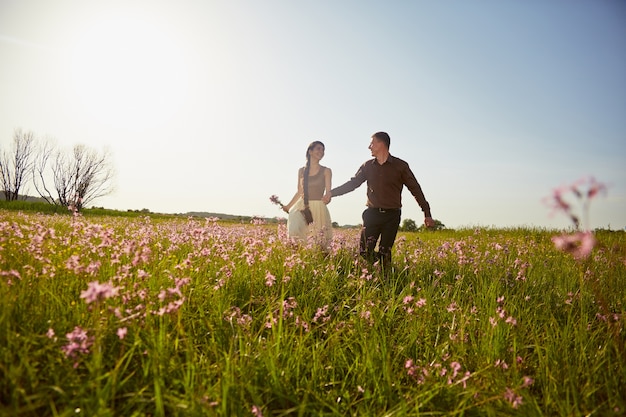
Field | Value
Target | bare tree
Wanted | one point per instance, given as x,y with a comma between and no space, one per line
45,151
16,164
78,179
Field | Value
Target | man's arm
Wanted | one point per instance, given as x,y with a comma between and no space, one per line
414,187
351,185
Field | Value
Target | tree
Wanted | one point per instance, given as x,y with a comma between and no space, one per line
78,179
408,225
16,164
39,171
438,226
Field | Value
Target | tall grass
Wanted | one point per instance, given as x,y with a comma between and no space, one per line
116,316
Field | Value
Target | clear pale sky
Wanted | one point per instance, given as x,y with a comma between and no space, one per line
210,105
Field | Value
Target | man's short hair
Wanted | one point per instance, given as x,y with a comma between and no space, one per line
383,137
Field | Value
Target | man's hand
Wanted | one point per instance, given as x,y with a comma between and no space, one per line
326,199
429,222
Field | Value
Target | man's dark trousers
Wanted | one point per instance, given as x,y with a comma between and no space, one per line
383,224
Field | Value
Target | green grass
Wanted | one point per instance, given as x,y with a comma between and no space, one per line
47,208
467,322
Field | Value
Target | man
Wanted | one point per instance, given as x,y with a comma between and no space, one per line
385,176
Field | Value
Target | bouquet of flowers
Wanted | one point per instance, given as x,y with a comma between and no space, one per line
274,199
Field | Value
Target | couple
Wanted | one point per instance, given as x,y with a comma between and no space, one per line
385,175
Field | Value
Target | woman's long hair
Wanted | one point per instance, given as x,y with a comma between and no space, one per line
307,169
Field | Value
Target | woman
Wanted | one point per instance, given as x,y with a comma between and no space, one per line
314,184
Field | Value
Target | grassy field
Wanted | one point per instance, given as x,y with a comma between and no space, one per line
156,316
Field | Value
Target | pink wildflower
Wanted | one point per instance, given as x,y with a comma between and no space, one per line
463,380
96,291
50,333
456,367
452,307
269,279
411,368
511,320
78,342
513,399
528,381
320,315
367,316
11,273
501,364
121,332
302,323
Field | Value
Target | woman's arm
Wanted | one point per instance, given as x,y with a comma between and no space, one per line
298,193
328,178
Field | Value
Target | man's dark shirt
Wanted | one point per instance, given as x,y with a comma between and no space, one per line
384,184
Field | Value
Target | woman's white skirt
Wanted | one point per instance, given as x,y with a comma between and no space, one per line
320,231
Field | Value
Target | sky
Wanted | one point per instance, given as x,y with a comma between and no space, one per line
210,105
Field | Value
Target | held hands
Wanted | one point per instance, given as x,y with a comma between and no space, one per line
326,199
429,222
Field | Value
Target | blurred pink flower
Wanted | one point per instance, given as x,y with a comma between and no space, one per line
579,244
256,411
584,190
595,188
